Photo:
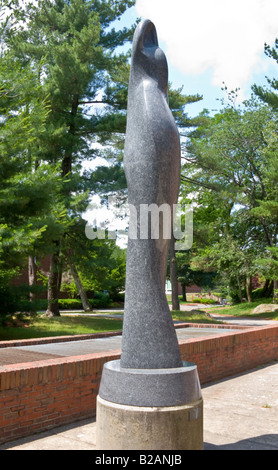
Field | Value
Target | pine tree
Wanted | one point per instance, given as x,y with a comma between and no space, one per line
78,45
267,95
23,192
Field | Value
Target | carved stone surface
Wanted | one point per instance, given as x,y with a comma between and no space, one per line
152,167
150,387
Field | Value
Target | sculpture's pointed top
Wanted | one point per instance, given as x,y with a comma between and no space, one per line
145,36
148,60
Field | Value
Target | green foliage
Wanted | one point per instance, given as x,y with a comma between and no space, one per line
269,96
13,299
9,303
204,301
258,293
101,300
192,317
24,193
39,327
232,159
245,309
268,263
59,65
177,103
100,262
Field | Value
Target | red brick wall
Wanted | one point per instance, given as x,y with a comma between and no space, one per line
42,395
221,356
38,396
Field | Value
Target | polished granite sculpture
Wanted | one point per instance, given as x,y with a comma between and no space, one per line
152,168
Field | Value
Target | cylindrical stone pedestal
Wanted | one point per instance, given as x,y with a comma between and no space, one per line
149,409
123,427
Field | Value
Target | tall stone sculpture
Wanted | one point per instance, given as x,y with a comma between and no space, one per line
152,167
150,399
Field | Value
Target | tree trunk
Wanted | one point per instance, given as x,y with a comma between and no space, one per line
183,287
248,285
265,288
84,299
239,289
275,291
32,276
270,289
173,275
53,287
271,243
55,274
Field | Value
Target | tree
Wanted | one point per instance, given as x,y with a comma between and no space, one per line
95,265
266,95
23,192
269,96
174,274
232,160
79,45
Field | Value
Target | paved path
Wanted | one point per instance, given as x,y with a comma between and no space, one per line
240,413
243,321
30,353
188,308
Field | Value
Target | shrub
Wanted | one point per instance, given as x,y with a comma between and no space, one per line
69,304
257,293
100,300
15,299
205,301
9,303
118,297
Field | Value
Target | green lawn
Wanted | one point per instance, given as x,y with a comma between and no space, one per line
39,327
188,317
239,310
244,310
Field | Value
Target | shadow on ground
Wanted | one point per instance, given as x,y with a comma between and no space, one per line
266,441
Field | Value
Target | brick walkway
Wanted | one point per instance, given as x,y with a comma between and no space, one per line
14,356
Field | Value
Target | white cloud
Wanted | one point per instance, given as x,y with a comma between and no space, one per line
224,36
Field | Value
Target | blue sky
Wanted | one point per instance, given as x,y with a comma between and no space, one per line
208,42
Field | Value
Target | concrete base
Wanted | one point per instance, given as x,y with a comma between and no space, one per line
124,427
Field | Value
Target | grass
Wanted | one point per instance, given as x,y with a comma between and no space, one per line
189,317
39,326
245,310
239,310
